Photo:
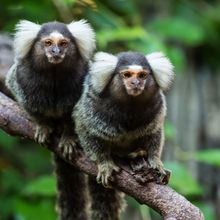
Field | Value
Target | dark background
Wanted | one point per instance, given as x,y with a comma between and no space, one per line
189,33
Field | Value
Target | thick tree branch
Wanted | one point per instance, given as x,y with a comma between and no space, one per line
163,199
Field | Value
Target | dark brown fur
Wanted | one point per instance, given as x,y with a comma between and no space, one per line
48,92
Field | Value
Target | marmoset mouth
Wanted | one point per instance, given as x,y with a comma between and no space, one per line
55,59
134,91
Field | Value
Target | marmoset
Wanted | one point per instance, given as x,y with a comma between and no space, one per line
121,113
51,61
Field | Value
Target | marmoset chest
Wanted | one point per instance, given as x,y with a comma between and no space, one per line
50,95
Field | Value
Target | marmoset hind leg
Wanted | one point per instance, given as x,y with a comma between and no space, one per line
68,140
44,127
72,191
107,204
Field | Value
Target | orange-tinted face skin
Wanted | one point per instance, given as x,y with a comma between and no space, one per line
55,41
55,47
134,80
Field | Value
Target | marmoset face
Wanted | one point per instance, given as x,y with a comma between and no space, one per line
131,76
55,46
134,78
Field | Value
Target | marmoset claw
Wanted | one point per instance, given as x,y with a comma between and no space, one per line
42,133
137,164
105,171
155,163
68,146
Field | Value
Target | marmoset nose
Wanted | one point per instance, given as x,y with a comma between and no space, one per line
56,50
135,82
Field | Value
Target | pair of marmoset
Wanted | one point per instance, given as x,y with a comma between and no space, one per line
113,104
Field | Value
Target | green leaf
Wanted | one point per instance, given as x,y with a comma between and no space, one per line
43,186
6,141
70,2
122,6
106,36
6,205
146,43
27,210
210,156
180,29
182,180
178,59
11,181
40,155
103,17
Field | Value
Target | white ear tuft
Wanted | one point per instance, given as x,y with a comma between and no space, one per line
25,34
162,69
102,69
84,36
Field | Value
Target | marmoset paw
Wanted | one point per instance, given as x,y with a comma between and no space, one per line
137,164
68,147
155,163
105,171
42,133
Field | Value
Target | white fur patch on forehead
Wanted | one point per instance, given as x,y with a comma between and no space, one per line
135,67
56,34
25,34
102,69
162,68
84,36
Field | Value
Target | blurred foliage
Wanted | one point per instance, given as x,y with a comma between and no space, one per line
183,29
27,186
181,178
176,27
210,156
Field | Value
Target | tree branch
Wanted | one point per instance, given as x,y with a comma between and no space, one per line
163,199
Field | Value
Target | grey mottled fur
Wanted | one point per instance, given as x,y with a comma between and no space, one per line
110,123
12,84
